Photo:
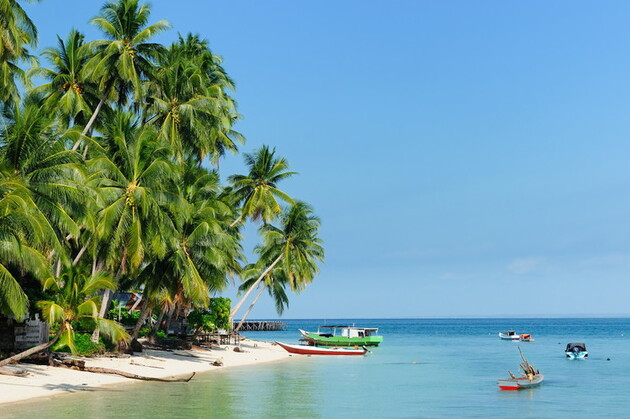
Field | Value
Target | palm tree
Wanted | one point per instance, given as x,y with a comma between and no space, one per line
206,251
256,192
294,248
187,99
132,173
73,300
70,93
24,235
126,57
17,32
33,151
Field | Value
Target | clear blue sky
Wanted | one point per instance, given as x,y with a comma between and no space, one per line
466,158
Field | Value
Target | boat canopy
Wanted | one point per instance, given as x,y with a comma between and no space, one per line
576,345
373,329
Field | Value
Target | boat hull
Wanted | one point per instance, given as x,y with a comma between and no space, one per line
318,350
341,340
503,336
520,383
579,355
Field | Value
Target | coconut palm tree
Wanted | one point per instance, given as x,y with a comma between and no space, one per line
35,153
256,192
295,248
17,33
24,235
132,172
133,175
69,93
74,299
187,99
206,252
126,57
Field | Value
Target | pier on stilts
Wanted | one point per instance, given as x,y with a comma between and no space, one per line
262,326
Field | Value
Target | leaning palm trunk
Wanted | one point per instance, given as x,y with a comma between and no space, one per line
107,295
89,124
144,313
254,285
156,327
31,351
238,220
251,306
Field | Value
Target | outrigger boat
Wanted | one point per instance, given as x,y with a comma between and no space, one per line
509,335
531,377
576,351
343,336
321,350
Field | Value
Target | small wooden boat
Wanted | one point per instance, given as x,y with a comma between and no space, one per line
520,383
509,335
531,377
526,337
321,350
576,351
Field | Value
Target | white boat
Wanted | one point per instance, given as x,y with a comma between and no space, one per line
576,351
321,350
530,377
509,335
520,383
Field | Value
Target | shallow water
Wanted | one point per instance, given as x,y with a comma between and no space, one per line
424,369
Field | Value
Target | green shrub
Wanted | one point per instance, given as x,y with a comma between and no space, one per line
85,346
122,315
216,316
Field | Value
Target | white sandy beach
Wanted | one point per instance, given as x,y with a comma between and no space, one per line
48,381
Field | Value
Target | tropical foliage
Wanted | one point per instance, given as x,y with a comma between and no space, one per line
109,183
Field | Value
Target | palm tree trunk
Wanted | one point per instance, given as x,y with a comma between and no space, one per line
254,285
90,122
157,325
169,318
104,302
249,310
33,350
238,220
144,313
76,260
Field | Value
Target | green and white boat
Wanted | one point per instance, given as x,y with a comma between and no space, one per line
343,336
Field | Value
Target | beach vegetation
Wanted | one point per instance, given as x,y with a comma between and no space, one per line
109,181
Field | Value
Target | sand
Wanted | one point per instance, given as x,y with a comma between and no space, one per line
48,381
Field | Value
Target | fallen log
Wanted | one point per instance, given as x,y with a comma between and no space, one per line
80,366
19,373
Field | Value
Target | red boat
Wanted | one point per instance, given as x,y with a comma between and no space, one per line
321,350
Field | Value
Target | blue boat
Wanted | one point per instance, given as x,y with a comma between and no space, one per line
576,351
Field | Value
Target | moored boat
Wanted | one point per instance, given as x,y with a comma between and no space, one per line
576,350
509,335
321,350
531,377
521,382
343,336
526,337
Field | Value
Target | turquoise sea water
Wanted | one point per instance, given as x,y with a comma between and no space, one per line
424,369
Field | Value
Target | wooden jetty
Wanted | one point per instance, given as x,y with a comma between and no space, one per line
262,326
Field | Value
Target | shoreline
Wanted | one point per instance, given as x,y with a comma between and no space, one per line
46,381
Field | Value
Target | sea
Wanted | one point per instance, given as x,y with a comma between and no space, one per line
425,368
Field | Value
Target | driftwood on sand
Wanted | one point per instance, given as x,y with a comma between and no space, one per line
18,373
79,365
